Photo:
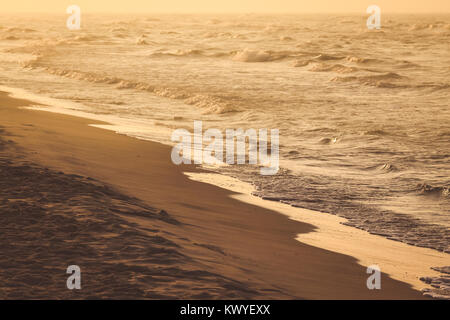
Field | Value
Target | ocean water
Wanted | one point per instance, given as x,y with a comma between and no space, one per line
363,115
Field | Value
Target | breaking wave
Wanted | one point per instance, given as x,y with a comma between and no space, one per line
439,192
385,80
248,55
339,68
208,103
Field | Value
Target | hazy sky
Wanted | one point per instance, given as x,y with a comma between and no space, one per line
217,6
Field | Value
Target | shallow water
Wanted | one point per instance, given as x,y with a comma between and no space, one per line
363,115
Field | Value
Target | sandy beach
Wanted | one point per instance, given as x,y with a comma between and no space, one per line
139,227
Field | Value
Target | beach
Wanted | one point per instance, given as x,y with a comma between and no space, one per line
362,114
139,227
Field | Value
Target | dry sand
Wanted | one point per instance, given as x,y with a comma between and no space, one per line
139,228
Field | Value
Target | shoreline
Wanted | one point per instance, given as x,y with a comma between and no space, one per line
401,261
252,243
397,226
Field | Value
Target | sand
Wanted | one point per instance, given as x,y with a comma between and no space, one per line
401,261
140,228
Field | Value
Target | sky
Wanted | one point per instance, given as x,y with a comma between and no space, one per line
227,6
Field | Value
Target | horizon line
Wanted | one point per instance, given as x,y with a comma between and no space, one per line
224,12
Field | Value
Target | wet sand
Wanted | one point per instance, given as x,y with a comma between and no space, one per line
401,261
139,228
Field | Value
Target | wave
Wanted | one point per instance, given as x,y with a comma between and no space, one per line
319,65
424,26
384,168
248,55
327,57
339,68
87,38
439,192
375,132
245,55
385,80
188,53
144,40
209,103
328,140
301,63
434,86
405,64
253,55
226,35
362,60
391,80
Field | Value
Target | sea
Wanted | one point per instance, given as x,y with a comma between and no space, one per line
363,115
